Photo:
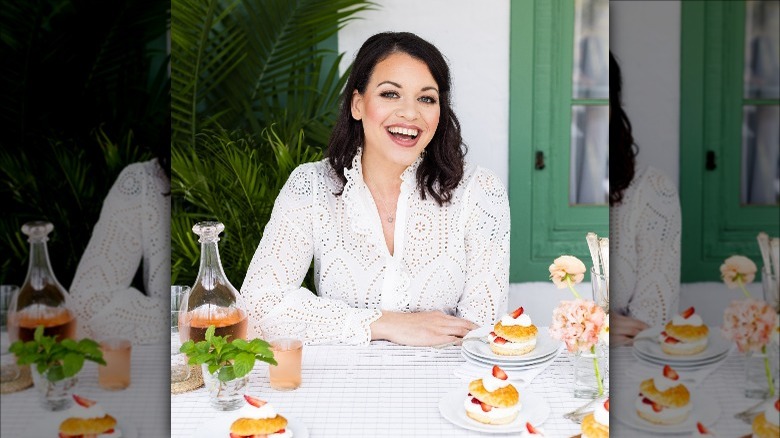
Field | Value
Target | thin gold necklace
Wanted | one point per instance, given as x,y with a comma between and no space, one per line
390,217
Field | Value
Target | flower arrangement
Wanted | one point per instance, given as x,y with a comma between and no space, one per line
577,323
750,323
737,271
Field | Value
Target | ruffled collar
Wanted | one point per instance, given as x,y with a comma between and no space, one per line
356,192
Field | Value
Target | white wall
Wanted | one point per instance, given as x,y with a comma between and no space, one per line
645,39
474,37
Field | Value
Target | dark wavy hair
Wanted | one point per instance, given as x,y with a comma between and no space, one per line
622,149
443,159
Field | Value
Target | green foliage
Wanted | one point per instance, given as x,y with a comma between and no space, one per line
232,360
254,94
85,92
57,360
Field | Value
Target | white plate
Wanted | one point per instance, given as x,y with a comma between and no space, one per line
50,425
219,426
508,366
706,410
680,366
534,410
716,346
545,346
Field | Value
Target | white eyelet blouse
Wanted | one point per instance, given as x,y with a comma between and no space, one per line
453,258
134,226
644,240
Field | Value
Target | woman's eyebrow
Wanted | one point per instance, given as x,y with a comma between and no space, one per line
399,86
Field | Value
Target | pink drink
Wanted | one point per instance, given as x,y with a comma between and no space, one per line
287,375
116,373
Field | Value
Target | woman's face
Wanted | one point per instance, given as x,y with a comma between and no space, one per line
399,110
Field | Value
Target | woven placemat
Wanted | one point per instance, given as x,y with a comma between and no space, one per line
24,381
194,382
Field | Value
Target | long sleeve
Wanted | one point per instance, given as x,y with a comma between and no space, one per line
647,250
272,287
104,301
487,225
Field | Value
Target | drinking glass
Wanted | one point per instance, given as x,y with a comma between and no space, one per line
600,285
180,370
115,374
288,353
9,370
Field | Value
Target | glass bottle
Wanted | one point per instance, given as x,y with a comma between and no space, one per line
41,300
212,300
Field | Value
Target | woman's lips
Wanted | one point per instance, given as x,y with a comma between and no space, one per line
404,142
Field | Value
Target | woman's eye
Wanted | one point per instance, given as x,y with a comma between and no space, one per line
389,94
427,99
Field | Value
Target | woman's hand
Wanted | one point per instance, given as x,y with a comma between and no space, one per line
622,329
421,329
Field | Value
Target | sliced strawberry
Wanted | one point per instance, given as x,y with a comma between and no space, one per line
280,431
235,435
701,428
469,394
109,431
493,334
663,333
519,311
485,407
669,373
498,373
647,401
657,407
777,404
606,405
475,401
671,340
499,340
531,429
254,401
83,401
688,312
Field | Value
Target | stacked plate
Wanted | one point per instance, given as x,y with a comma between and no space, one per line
648,349
480,353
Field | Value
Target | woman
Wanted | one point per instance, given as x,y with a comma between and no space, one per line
644,220
133,229
410,244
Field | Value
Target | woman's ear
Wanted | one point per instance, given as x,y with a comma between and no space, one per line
357,105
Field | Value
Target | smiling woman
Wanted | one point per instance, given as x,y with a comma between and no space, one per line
410,243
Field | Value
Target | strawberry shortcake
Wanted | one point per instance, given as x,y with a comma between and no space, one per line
663,399
767,423
513,335
685,334
88,419
596,425
259,419
492,399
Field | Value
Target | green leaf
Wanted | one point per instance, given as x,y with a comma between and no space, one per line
243,364
54,373
226,373
210,333
72,364
38,334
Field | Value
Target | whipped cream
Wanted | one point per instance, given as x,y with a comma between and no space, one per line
601,415
286,434
694,320
514,345
493,413
523,320
491,383
662,383
665,414
78,411
264,412
772,415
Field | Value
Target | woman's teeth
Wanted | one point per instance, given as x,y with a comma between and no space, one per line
409,132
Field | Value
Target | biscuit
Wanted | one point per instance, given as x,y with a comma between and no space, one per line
763,428
258,426
87,426
593,429
501,398
674,397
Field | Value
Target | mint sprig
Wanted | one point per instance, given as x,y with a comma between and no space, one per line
230,360
55,359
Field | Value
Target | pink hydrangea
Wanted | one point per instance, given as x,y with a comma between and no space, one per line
577,323
749,323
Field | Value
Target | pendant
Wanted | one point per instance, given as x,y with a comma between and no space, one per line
390,219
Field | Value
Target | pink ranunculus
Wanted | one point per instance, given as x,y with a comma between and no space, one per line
577,323
737,267
566,265
749,323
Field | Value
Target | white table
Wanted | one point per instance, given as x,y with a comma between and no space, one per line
381,390
144,403
725,385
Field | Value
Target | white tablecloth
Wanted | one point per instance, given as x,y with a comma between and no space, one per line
144,404
725,385
381,390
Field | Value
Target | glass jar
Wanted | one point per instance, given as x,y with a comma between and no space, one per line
589,367
759,381
41,300
53,395
212,300
227,395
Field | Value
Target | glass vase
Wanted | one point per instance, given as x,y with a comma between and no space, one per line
589,374
756,382
53,396
224,396
212,300
771,288
600,285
